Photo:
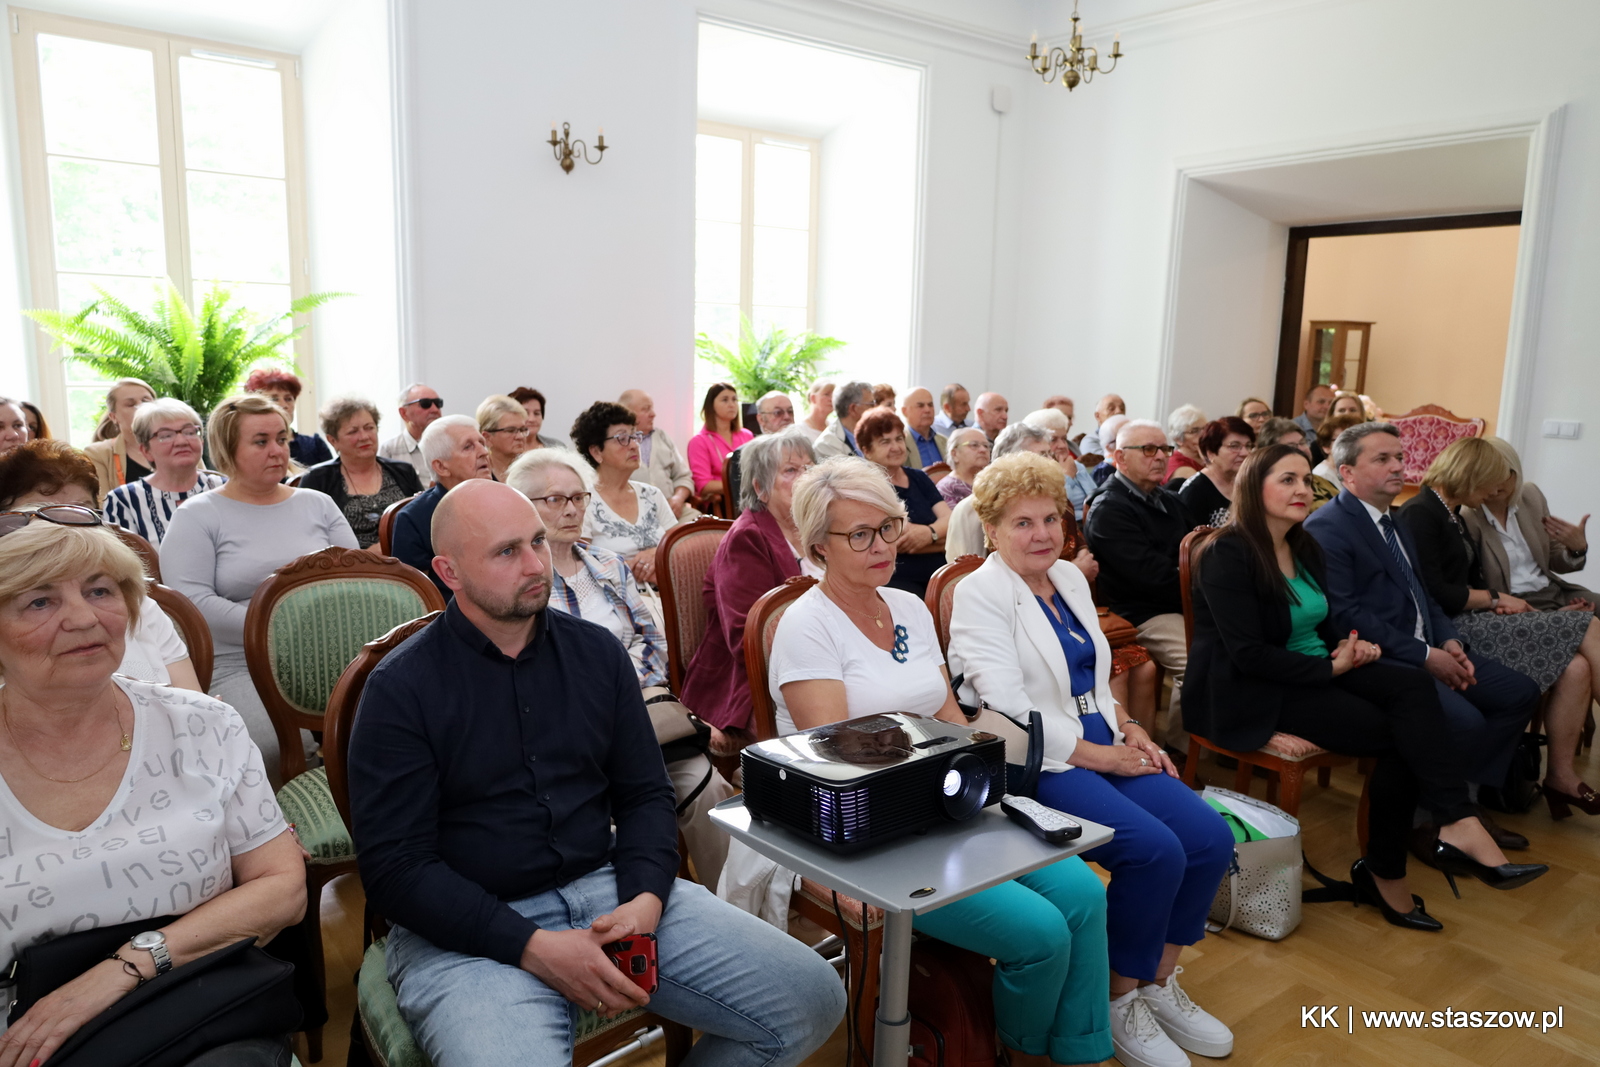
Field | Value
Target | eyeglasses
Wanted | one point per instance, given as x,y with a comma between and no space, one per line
557,502
777,411
60,514
164,436
626,439
1258,416
520,431
1149,451
861,540
1237,446
426,402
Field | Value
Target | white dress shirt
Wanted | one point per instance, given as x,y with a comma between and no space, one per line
406,448
1526,577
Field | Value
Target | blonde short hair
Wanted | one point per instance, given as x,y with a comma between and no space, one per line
222,430
494,408
840,478
1466,467
529,464
1514,461
42,553
1019,476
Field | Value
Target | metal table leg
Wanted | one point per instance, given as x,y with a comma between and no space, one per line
892,1038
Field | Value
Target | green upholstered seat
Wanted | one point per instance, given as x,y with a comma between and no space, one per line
389,1043
317,629
308,803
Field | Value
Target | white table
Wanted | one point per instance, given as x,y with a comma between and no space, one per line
911,876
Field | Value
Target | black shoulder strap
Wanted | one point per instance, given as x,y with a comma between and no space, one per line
1332,889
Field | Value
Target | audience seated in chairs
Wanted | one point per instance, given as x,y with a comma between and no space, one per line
90,754
13,425
760,552
970,452
1269,660
456,452
361,482
660,462
1080,482
283,389
47,472
850,648
1224,443
1348,404
1099,440
533,403
222,544
955,410
720,433
1313,412
1328,429
965,532
851,401
168,431
1375,587
493,752
593,584
420,405
116,454
624,516
1134,529
1288,432
881,437
504,424
1024,636
819,405
925,446
992,413
1184,427
1547,646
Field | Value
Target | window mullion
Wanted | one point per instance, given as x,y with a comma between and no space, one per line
747,227
174,188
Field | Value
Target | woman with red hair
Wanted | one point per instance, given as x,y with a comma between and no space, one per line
283,389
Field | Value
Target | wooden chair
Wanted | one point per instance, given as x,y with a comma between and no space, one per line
936,470
146,551
192,628
1427,431
386,524
389,1043
731,473
862,928
1281,766
682,559
306,622
941,595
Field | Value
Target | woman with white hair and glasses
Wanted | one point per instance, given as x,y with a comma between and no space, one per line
853,647
1183,430
168,431
1080,483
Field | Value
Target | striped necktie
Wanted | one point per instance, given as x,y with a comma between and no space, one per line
1418,596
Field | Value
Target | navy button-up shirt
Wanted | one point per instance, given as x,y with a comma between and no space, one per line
477,779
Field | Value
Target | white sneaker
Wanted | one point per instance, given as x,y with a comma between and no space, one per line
1137,1037
1187,1023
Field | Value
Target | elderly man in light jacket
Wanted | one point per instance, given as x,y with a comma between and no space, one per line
660,462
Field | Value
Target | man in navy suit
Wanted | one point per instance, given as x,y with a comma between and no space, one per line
1374,588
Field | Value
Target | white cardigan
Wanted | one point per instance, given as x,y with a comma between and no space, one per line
1012,659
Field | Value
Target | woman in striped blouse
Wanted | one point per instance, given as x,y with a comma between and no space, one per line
169,432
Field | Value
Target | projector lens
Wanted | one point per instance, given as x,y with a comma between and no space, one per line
965,786
952,782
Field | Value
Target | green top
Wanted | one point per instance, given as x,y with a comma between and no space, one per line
1307,608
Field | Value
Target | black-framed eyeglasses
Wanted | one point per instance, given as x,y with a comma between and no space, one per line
777,411
861,540
164,436
426,402
558,502
1150,451
626,439
60,514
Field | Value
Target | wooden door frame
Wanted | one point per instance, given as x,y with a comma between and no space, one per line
1284,400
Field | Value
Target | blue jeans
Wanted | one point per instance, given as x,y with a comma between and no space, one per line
1047,932
761,998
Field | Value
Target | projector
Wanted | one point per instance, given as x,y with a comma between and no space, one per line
861,782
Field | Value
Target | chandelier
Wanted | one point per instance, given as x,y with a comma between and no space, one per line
1075,63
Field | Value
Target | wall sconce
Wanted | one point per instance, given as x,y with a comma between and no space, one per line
562,145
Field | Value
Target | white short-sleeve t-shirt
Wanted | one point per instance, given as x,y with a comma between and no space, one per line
152,644
817,640
195,795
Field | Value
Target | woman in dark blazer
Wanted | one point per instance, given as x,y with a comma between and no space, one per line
1266,662
362,483
1547,646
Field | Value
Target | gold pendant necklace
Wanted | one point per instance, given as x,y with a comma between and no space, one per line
126,745
876,619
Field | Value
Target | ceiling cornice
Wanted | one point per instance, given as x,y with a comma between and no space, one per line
1159,27
883,16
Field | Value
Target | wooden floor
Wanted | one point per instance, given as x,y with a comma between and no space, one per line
1532,949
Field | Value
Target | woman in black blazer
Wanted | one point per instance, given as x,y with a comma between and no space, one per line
1266,661
1544,645
362,483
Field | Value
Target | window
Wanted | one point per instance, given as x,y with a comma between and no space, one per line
755,249
148,157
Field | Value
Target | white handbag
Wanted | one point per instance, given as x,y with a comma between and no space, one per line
1261,892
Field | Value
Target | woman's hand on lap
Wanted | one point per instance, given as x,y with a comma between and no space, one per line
1135,737
57,1016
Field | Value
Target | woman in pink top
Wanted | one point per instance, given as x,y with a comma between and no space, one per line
721,434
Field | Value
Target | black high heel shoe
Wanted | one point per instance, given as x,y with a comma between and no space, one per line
1367,892
1452,861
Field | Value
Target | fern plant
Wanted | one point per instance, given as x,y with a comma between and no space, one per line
779,361
199,359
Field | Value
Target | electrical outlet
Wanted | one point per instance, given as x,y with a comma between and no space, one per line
1564,429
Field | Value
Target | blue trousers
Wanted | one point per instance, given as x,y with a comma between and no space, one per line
1047,933
1489,716
1166,860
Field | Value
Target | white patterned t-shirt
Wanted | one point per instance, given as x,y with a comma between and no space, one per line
195,795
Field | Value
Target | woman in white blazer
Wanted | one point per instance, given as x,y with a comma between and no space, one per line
1024,635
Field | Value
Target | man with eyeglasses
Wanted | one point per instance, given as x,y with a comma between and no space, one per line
455,452
925,446
660,462
1134,528
419,406
169,432
774,414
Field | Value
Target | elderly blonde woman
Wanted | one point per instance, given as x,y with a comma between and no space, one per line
852,647
1346,403
168,431
504,424
969,454
1547,646
98,764
362,483
1080,482
117,456
1183,430
594,584
1025,634
222,544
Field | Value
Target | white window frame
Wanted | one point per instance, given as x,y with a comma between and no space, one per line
168,49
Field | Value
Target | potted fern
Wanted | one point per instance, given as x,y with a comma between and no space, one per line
778,361
199,359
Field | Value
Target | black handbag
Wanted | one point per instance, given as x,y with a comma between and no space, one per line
1022,779
234,993
1520,789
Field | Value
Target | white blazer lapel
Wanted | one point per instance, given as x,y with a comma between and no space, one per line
1042,635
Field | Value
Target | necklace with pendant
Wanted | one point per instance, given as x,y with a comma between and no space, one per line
125,745
876,619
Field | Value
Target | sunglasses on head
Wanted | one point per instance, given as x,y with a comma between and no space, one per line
427,402
60,514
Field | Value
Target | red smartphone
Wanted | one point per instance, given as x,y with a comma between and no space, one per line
635,957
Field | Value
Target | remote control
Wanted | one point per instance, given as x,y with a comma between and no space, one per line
1047,824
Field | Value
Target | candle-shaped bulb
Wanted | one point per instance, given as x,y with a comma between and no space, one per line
602,131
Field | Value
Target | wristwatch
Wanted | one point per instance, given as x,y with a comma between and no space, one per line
934,531
1494,599
155,943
